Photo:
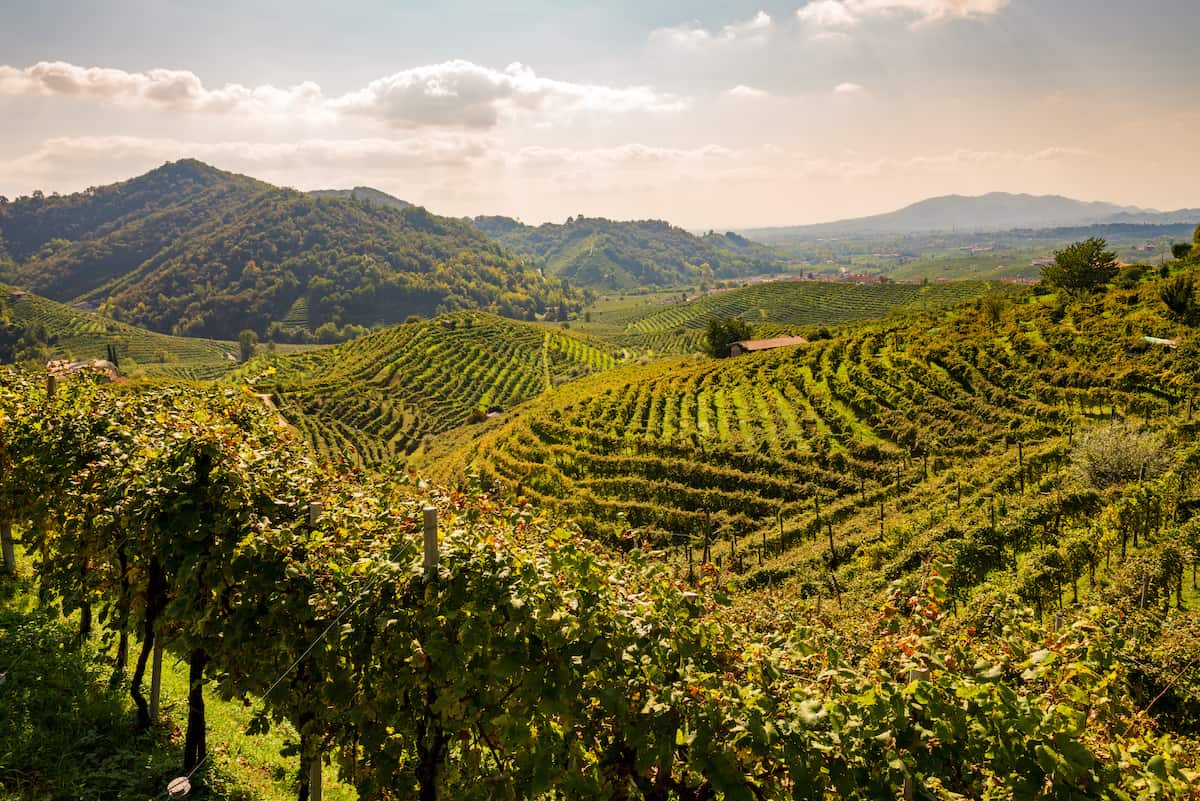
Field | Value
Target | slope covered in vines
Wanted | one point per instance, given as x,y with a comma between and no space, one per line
507,656
380,396
775,307
849,462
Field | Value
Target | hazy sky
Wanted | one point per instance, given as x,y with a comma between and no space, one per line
704,113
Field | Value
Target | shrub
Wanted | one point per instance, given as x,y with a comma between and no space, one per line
1117,454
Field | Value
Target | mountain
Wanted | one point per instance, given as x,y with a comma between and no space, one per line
600,253
190,250
364,193
996,211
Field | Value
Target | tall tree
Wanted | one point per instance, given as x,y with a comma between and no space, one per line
1082,267
723,332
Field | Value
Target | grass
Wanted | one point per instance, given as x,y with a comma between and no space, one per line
65,733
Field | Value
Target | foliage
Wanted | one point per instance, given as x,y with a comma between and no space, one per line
1179,295
533,663
722,332
191,250
1181,250
1082,267
600,253
247,345
1118,454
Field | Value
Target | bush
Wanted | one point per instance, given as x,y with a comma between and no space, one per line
1118,454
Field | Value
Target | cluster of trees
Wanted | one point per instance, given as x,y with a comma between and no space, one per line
601,253
190,250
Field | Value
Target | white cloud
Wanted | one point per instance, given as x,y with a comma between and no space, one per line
455,94
177,90
843,14
693,36
827,14
848,88
746,92
462,94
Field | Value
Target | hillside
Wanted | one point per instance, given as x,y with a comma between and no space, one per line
378,397
190,250
996,211
32,327
600,253
666,325
959,436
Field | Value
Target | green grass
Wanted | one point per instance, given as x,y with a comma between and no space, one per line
65,733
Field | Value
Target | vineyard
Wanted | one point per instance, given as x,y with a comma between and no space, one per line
427,645
82,335
846,463
380,396
667,326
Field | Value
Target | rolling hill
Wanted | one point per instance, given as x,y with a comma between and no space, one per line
365,193
58,331
378,397
772,308
191,250
996,211
600,253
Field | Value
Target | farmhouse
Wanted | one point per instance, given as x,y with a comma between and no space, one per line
753,345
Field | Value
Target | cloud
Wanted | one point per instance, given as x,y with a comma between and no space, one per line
454,94
692,36
177,90
848,88
462,94
746,92
827,14
843,14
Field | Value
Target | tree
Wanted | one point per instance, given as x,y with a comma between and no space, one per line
1181,250
1179,294
723,332
1082,267
247,344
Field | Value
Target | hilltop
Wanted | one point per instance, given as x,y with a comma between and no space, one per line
608,254
190,250
996,211
365,193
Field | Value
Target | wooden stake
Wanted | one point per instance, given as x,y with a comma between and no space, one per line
6,547
431,540
156,678
314,780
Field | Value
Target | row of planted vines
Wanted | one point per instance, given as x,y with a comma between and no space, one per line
530,663
848,461
377,398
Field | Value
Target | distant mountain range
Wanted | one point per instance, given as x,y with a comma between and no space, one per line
189,249
997,211
609,254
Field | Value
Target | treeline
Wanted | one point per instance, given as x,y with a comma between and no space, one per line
517,660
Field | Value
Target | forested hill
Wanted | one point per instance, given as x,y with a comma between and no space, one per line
189,249
601,253
364,193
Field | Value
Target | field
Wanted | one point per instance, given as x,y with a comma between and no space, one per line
661,323
379,397
867,453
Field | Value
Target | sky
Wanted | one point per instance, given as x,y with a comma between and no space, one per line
707,114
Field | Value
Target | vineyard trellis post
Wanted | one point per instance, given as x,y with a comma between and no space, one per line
315,790
431,540
6,546
156,679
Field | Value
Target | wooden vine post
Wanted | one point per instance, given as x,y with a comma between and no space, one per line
156,679
6,547
315,791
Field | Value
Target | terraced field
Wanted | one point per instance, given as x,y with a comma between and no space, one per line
378,397
665,326
83,335
866,453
